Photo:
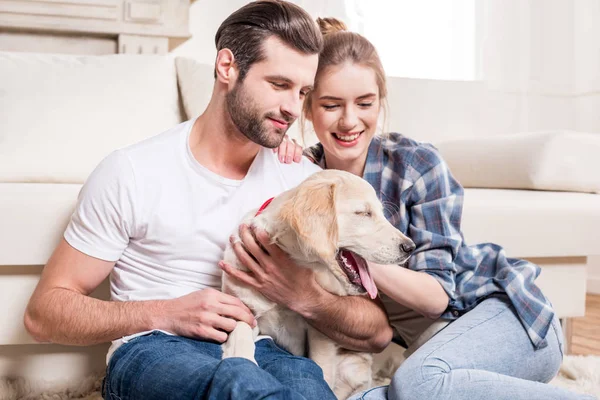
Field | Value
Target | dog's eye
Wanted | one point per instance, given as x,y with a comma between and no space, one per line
363,213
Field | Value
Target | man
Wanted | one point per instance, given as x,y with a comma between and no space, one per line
158,214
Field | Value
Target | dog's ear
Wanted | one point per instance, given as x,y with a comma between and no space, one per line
311,213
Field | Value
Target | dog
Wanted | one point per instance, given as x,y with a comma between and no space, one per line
333,223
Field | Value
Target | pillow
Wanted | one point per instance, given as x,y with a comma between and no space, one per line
561,161
196,81
61,114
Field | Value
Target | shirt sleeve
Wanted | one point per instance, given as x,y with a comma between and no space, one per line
434,207
309,167
103,220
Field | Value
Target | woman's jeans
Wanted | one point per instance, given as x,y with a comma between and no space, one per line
163,367
485,354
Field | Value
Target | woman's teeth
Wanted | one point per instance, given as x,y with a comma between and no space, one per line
347,138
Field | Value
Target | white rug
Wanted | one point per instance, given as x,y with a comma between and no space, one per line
578,373
19,389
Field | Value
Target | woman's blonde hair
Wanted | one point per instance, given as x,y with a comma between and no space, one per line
341,46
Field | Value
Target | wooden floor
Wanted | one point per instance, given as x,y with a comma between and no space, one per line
585,332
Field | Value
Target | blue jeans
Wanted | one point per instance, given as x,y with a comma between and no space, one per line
485,354
162,367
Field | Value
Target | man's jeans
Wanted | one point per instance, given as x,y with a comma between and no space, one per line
485,354
162,367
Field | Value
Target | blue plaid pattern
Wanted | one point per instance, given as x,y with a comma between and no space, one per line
424,201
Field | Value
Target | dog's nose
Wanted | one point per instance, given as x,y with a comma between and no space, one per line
408,247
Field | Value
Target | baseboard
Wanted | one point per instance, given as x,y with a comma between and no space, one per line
593,284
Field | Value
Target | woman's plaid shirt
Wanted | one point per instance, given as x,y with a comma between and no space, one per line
424,201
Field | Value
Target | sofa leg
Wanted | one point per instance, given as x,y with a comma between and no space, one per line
567,328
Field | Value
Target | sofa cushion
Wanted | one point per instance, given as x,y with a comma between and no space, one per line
60,115
562,160
34,217
196,81
531,223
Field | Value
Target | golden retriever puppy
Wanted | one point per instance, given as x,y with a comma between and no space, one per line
332,222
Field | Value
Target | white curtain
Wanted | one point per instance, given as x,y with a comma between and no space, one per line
548,53
430,39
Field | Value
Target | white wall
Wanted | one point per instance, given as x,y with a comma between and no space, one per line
587,89
205,18
587,65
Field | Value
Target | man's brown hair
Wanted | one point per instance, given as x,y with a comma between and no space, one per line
244,31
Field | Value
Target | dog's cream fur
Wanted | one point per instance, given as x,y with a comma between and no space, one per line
329,211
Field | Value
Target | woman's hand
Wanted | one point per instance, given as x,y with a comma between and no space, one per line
289,151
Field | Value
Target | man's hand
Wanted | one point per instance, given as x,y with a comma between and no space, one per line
354,322
289,150
272,272
205,314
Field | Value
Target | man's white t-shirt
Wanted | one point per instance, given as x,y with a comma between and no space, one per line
164,218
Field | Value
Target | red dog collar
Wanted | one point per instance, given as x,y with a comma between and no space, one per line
265,204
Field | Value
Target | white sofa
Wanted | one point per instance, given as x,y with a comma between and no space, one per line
59,115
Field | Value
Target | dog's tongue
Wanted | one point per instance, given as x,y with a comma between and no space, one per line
365,276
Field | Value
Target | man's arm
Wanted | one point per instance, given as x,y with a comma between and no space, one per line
60,310
354,322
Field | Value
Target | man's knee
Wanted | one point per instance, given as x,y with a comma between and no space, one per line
235,365
235,373
297,367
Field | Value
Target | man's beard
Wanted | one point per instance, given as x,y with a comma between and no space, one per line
247,119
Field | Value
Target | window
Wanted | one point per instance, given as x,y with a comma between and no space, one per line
429,39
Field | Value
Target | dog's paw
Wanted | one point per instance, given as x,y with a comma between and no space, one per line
240,343
231,351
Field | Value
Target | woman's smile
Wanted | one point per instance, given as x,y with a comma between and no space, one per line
347,139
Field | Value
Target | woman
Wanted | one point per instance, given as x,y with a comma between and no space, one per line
475,322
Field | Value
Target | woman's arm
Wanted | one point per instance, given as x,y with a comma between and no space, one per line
433,211
415,290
